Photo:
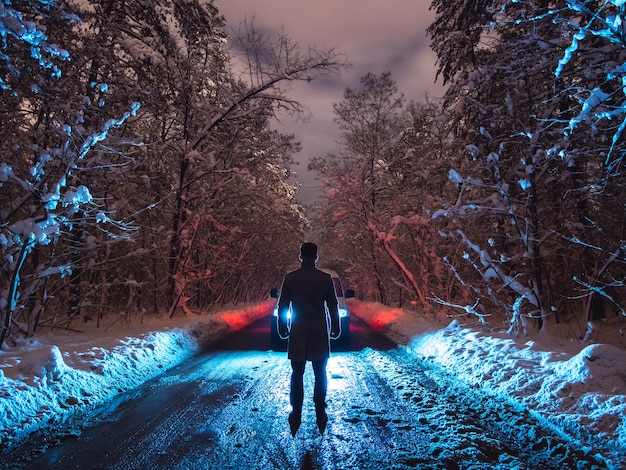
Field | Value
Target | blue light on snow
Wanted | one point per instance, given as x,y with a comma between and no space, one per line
37,171
101,217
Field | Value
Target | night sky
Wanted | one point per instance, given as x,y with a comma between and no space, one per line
376,36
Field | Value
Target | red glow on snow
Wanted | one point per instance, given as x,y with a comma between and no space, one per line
385,318
354,327
238,319
379,318
235,320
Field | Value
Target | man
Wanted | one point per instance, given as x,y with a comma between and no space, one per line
311,295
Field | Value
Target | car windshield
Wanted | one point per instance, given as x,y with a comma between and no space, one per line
338,289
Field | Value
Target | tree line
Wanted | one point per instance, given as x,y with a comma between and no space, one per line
139,172
503,200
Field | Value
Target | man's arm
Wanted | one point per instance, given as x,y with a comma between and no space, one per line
283,308
333,310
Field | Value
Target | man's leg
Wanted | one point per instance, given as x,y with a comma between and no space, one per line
319,391
296,396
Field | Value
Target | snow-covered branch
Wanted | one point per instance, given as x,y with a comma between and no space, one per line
468,309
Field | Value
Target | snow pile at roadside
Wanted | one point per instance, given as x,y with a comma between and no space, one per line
571,385
47,380
574,386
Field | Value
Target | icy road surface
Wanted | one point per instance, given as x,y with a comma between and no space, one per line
227,409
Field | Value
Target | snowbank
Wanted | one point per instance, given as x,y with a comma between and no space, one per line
579,388
49,379
573,386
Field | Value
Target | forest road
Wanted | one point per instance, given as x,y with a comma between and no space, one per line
227,409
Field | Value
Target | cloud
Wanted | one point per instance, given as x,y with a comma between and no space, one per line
376,36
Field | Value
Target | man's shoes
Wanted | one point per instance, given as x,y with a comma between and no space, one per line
295,419
321,421
294,422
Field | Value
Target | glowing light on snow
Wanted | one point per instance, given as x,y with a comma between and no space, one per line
234,320
5,172
454,176
380,318
238,319
386,318
65,270
37,171
569,51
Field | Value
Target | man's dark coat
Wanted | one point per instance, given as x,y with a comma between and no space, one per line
310,292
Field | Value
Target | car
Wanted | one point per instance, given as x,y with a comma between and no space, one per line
344,313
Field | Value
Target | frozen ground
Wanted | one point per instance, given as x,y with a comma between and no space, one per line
572,386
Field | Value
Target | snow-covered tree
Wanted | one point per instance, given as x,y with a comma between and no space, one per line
529,186
495,96
213,143
248,161
196,171
376,192
592,72
205,125
371,121
51,139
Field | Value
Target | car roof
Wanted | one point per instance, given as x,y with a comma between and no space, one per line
330,271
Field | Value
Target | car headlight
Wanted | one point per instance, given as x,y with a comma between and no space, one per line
342,312
288,313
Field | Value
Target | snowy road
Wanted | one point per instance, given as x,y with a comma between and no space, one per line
228,409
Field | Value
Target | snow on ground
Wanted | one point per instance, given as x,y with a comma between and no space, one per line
568,384
49,379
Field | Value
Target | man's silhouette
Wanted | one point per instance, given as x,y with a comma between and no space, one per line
311,295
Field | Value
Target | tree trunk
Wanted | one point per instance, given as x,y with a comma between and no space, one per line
15,282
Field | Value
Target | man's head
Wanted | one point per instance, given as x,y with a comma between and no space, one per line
308,252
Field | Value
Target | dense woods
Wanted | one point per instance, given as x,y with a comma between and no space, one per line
140,173
505,199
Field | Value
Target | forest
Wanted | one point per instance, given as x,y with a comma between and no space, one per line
140,173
